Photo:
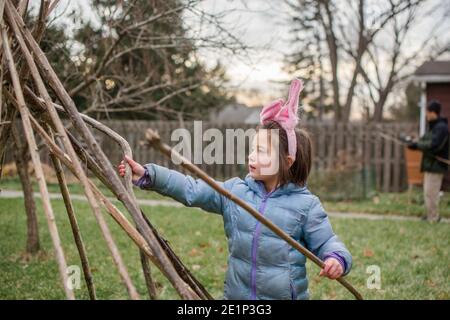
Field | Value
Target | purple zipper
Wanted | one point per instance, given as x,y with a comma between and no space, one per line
255,247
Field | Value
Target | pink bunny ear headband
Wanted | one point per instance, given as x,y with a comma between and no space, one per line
285,114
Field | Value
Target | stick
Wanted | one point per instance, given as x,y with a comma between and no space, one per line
37,166
155,141
74,226
64,157
2,6
151,288
182,270
400,142
115,213
94,167
6,125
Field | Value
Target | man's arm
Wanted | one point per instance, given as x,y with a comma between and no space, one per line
439,134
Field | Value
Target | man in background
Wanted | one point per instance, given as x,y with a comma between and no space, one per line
434,145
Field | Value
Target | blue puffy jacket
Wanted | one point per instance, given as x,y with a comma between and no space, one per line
260,264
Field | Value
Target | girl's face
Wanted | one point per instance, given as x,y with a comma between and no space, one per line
263,161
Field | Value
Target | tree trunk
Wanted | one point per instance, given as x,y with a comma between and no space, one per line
383,93
21,158
362,48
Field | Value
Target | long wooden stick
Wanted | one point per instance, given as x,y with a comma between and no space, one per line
53,230
402,143
123,222
2,6
74,226
115,213
64,158
151,287
6,123
146,269
155,141
61,131
182,270
92,165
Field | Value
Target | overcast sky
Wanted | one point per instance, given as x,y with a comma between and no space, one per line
265,25
255,23
260,24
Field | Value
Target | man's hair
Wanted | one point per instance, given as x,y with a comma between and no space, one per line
434,106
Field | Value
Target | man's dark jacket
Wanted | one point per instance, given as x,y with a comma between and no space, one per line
435,143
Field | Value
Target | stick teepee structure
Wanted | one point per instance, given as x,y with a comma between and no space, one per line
28,83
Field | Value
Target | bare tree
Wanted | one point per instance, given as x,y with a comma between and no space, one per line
142,59
353,33
394,63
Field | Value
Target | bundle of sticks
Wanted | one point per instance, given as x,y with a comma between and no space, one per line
28,84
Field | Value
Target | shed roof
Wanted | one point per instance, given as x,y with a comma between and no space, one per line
433,71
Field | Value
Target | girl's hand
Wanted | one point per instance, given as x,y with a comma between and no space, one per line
137,169
332,269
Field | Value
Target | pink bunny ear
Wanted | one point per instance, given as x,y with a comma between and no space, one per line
285,114
270,110
290,109
294,94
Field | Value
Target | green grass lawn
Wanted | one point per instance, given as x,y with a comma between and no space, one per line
383,203
391,204
412,256
75,188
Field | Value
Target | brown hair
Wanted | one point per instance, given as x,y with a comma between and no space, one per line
299,171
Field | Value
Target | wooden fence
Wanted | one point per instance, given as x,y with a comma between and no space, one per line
337,147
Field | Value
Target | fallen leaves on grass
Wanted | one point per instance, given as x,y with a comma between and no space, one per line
430,283
368,253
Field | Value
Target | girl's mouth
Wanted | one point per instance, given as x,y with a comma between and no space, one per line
252,168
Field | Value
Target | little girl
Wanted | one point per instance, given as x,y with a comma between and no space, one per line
261,265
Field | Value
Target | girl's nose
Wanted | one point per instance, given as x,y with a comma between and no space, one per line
251,157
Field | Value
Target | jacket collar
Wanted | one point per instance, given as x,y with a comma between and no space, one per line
258,187
434,122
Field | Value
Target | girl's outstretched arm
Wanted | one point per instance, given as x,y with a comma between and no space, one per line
183,188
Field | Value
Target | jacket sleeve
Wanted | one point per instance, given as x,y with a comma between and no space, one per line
320,238
185,189
438,136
